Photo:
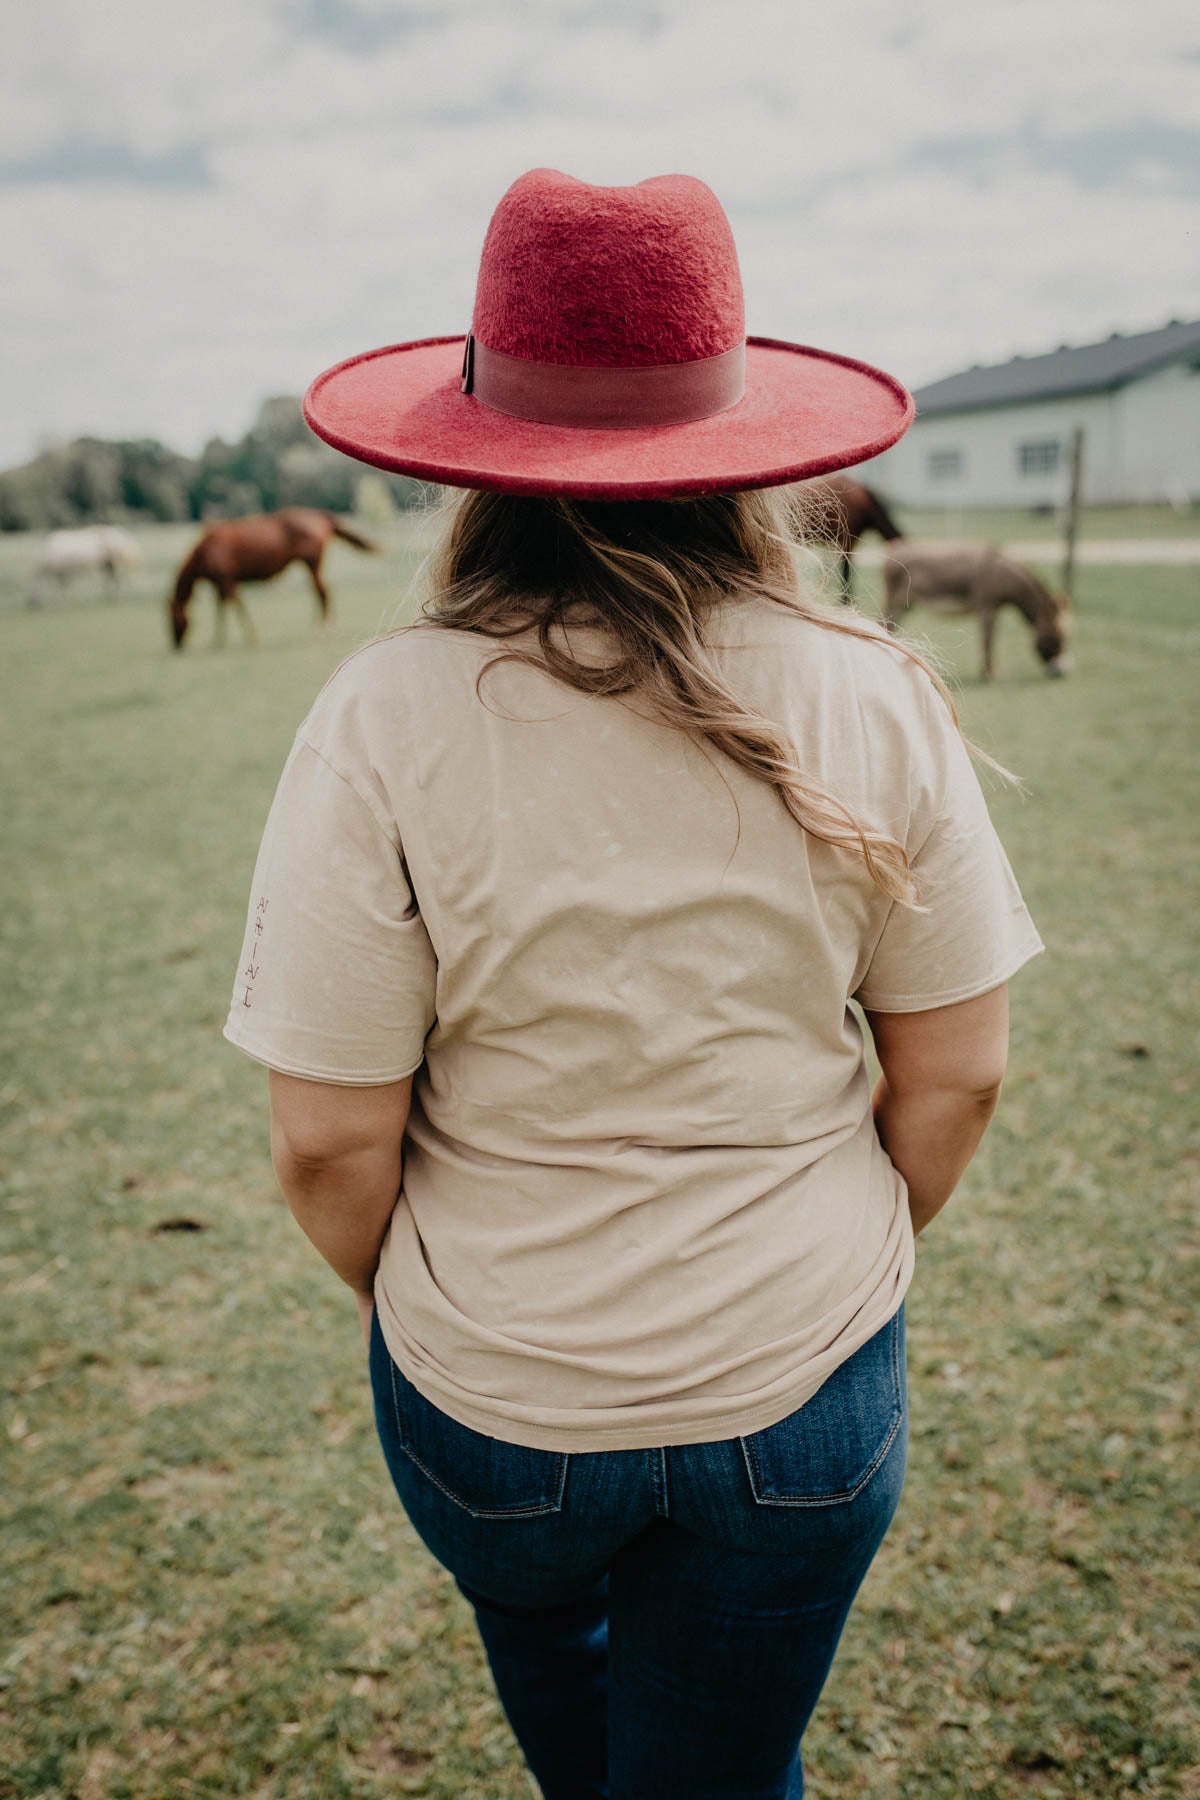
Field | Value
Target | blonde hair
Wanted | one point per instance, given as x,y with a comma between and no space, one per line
649,572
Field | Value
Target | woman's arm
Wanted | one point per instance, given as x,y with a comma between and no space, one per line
337,1157
942,1071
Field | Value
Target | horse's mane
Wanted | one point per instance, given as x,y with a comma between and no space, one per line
880,517
1042,602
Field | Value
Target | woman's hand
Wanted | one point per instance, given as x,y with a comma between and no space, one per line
366,1313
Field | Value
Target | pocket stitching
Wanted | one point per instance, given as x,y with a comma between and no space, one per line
553,1505
754,1473
838,1499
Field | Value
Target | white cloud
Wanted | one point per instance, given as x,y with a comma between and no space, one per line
351,189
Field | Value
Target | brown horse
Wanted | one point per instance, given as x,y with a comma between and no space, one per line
838,511
255,549
979,579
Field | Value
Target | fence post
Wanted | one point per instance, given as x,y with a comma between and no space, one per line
1068,574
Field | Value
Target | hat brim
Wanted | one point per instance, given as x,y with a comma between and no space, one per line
805,412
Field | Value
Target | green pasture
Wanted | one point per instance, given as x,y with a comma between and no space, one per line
208,1588
1001,524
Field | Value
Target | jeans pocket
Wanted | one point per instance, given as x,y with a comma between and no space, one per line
826,1453
488,1478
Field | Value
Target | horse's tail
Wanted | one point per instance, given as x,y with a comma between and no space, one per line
881,518
348,536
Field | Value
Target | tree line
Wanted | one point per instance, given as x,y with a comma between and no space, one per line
277,463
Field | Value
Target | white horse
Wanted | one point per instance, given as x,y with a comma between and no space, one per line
68,553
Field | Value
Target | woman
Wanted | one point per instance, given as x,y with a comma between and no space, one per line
557,916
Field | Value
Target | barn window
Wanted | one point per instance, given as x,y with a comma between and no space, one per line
1038,456
945,464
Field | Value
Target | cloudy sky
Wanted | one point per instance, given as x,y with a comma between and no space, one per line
206,201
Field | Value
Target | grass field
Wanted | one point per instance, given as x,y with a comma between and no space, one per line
208,1587
1000,524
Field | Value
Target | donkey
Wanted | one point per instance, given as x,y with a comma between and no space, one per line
255,549
979,579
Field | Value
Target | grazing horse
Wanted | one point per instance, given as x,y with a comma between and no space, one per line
68,553
255,549
979,579
838,511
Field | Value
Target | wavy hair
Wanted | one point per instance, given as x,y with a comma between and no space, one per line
649,572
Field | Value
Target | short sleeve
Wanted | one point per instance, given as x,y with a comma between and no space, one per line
336,980
974,930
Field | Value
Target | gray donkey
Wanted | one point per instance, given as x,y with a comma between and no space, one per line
979,579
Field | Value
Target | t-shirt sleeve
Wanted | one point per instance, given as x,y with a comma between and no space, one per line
974,930
336,980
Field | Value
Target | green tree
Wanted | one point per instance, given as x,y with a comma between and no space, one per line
277,463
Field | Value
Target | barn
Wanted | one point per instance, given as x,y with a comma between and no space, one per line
1001,435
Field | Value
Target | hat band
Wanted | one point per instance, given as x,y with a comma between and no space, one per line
555,394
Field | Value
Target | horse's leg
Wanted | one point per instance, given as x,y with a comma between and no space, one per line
987,628
895,598
221,597
248,631
322,592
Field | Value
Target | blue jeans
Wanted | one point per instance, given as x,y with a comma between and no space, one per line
660,1623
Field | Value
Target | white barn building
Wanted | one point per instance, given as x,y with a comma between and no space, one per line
1001,436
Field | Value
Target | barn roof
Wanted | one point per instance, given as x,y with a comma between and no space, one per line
1070,369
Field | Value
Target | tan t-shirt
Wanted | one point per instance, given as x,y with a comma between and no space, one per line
643,1201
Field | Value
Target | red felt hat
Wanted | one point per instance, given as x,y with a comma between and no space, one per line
608,360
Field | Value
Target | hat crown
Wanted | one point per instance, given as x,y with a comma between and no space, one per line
609,277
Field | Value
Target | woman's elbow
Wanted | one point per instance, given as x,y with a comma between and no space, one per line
300,1153
985,1096
316,1125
